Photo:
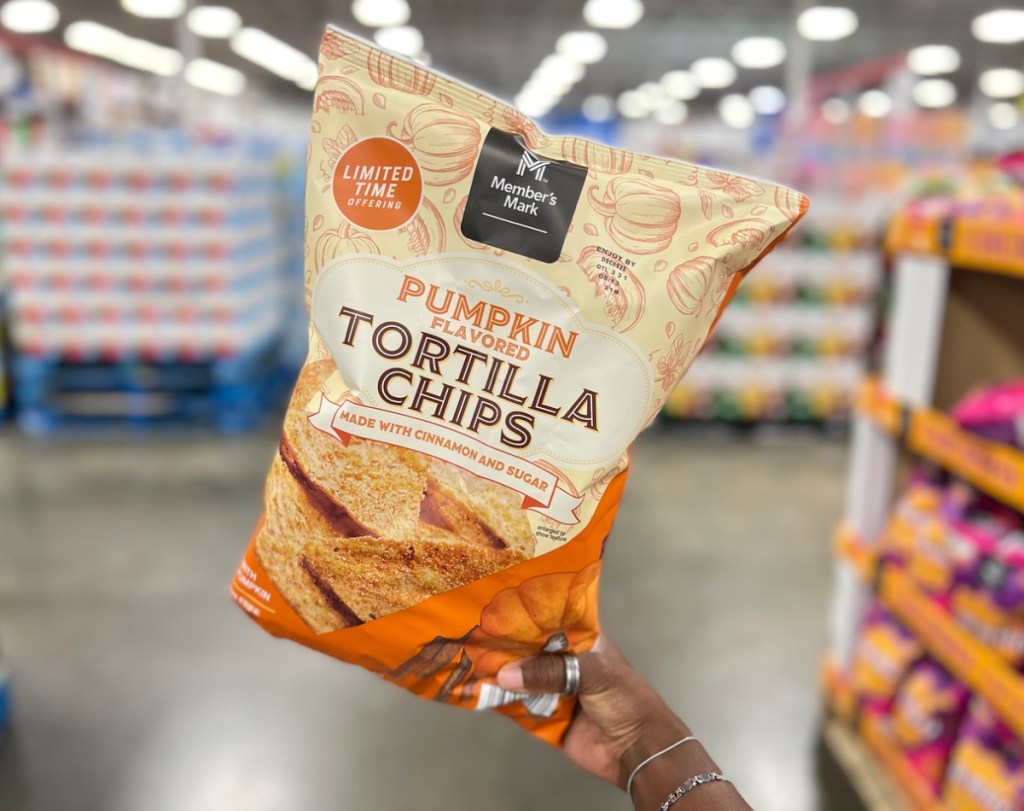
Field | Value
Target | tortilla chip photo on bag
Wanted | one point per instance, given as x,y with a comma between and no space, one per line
495,315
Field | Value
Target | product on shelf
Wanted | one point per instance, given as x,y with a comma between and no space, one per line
884,654
995,413
145,279
925,717
986,765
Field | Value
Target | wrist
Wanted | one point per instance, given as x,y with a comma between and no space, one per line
651,737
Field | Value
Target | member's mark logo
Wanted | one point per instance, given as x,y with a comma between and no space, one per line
531,163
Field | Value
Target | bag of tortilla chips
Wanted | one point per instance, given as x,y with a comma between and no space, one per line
495,315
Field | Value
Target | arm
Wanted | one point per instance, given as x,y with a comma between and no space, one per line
620,722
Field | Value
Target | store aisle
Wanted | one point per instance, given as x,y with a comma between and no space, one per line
139,685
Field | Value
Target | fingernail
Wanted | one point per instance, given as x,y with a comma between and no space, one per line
510,677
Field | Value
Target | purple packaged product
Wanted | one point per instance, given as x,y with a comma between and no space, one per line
926,714
885,652
995,413
986,766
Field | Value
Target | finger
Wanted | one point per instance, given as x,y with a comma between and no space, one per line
541,674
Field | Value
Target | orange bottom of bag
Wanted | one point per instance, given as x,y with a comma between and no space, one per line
449,647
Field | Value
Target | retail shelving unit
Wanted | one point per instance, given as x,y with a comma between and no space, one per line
955,321
794,343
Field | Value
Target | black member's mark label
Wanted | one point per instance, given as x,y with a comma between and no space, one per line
519,201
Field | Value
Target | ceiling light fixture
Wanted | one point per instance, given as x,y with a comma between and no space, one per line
736,111
1001,25
402,39
215,77
713,72
671,114
276,56
826,23
154,9
835,110
874,103
632,104
934,93
759,52
213,22
680,84
381,13
109,43
613,13
767,100
1002,83
598,108
1003,116
29,16
586,47
932,60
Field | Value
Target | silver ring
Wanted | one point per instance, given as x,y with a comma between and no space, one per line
572,674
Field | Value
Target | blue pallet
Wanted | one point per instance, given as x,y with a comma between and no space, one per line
230,411
231,395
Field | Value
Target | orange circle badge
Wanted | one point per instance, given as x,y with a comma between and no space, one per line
378,184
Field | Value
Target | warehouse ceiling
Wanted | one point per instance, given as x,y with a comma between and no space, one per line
495,44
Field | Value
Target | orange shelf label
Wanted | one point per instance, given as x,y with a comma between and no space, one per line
874,400
996,469
996,247
967,659
853,549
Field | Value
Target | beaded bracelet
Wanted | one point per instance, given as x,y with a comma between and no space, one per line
690,785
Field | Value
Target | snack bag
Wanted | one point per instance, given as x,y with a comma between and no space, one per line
925,717
995,413
986,767
883,656
496,314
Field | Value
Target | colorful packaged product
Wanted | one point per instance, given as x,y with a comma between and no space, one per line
495,314
884,654
925,717
986,766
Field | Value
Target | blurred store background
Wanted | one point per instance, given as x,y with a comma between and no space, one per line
821,559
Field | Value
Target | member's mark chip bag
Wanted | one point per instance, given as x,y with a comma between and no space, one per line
495,315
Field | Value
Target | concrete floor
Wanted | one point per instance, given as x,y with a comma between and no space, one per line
139,685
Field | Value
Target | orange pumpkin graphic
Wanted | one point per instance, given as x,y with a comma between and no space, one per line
550,613
397,74
641,217
445,142
342,240
599,157
340,94
426,231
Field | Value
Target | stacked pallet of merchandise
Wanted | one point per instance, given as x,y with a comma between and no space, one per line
144,282
927,659
793,344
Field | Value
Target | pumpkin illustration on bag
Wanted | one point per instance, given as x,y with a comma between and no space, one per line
340,94
791,204
444,142
340,241
752,233
599,157
689,284
426,231
642,217
549,613
397,74
623,294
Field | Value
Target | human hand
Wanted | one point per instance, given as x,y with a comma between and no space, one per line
617,711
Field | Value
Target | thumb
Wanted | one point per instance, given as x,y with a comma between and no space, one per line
538,674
